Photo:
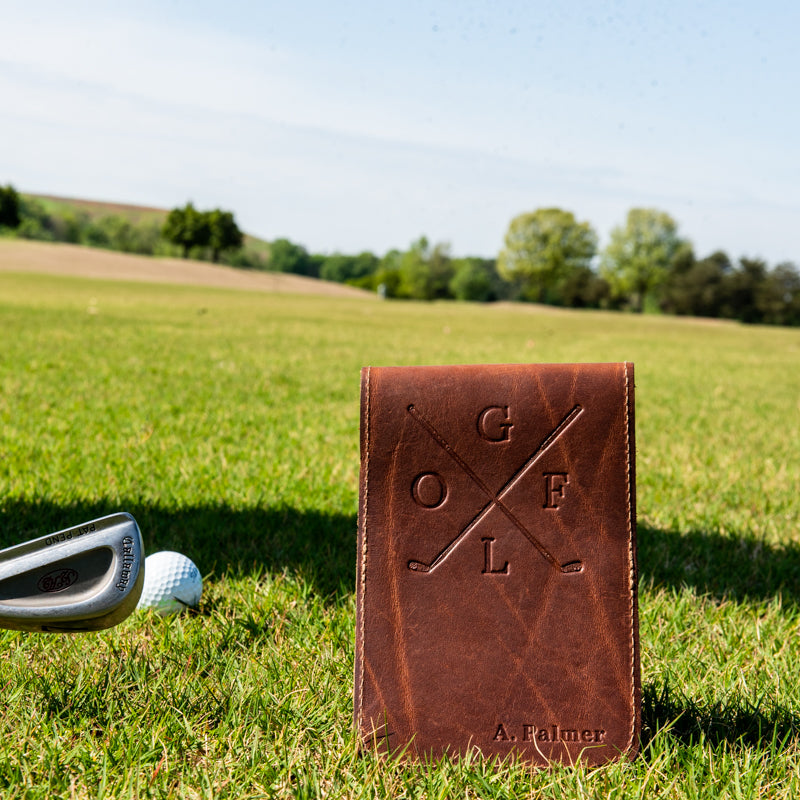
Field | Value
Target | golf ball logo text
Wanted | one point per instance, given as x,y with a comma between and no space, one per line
65,536
57,580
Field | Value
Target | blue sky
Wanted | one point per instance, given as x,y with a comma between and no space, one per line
361,125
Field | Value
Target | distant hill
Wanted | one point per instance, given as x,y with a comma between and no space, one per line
49,258
97,209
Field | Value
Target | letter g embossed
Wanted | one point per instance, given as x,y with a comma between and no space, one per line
494,424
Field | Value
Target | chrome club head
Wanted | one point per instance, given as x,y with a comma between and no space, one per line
84,578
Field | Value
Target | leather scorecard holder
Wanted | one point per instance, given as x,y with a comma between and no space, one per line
497,577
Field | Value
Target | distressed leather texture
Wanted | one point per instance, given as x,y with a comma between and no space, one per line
496,573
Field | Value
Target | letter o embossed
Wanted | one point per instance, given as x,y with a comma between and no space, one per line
429,490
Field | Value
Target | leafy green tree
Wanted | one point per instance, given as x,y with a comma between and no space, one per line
119,233
248,258
542,248
476,279
9,207
584,288
74,227
778,298
343,269
440,265
639,255
35,223
425,271
697,288
224,233
187,227
386,278
286,256
743,286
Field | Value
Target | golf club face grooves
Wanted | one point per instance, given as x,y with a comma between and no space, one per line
83,578
76,577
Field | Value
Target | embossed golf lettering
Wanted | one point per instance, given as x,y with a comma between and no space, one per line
548,733
494,424
554,483
429,490
487,559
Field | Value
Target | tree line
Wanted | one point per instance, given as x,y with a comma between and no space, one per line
207,235
548,256
646,265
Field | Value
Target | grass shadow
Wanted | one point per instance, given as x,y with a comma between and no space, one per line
321,547
729,567
318,547
734,721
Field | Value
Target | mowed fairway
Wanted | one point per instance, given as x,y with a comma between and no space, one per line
227,423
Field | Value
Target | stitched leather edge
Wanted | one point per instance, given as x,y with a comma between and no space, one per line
631,567
363,576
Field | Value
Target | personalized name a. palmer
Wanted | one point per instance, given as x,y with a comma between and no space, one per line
548,733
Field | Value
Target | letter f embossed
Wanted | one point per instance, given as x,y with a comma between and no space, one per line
554,483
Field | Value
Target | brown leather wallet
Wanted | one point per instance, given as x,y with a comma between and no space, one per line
497,578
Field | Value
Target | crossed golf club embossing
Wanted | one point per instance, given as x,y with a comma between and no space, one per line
496,498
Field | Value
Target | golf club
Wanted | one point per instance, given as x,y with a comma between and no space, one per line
84,578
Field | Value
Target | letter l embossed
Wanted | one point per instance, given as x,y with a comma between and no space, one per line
487,559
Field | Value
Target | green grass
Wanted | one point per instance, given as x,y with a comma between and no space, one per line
227,423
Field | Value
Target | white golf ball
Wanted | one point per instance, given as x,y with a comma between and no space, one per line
172,583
